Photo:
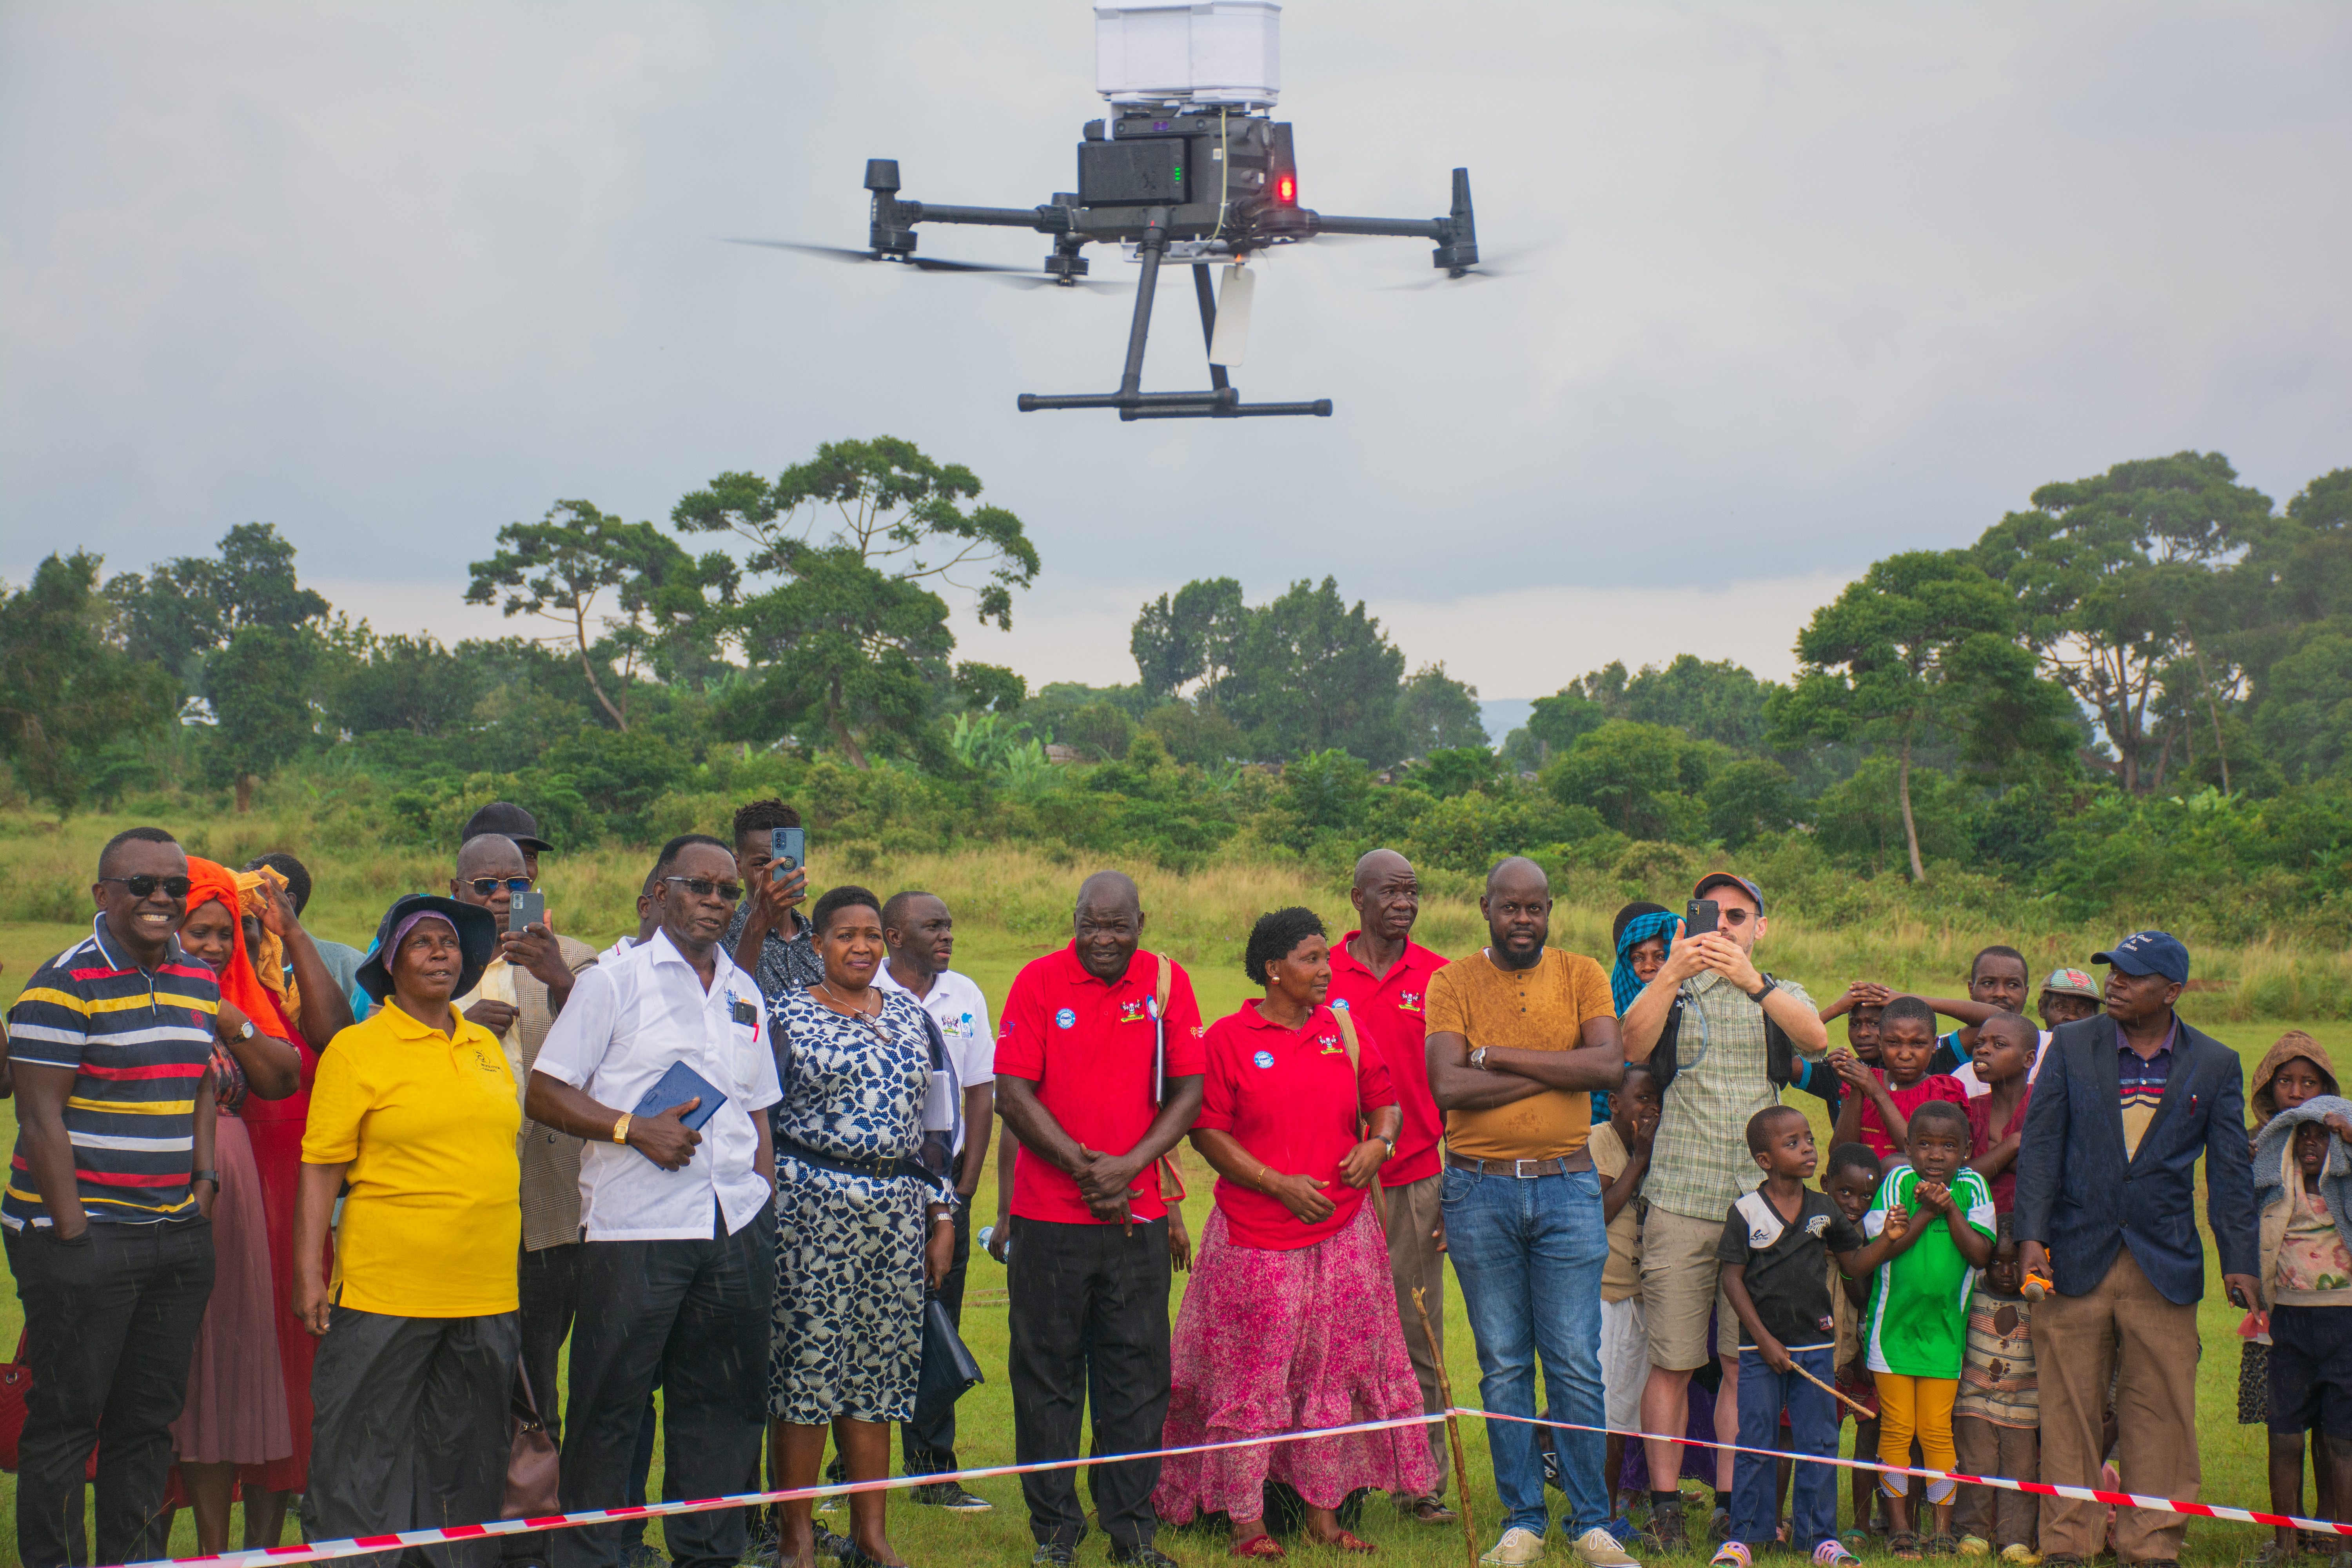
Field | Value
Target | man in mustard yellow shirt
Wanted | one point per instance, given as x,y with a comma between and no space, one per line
417,1111
1519,1036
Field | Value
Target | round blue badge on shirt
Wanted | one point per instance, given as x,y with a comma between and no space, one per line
1068,1019
1263,1058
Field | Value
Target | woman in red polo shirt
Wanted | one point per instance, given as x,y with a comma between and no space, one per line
1290,1321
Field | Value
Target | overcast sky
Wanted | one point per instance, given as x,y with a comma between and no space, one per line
1804,285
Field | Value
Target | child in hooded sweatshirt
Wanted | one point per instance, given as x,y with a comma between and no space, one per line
2303,1191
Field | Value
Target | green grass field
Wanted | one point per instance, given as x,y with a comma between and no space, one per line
1012,910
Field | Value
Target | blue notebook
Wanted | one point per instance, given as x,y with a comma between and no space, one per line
677,1086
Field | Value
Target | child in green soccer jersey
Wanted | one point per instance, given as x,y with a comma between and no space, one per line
1916,1331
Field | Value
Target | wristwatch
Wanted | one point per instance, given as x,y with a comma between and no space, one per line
1478,1059
247,1033
1770,986
621,1128
212,1176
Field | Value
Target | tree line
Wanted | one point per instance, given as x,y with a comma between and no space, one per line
2138,671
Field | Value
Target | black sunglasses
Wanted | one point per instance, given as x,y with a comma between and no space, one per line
703,886
176,887
484,886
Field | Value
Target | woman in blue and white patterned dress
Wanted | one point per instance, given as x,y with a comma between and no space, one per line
862,1220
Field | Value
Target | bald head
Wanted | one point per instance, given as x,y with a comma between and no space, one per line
1517,872
1387,896
490,855
1518,907
1109,890
1108,924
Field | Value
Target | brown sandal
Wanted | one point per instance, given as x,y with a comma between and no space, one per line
1431,1510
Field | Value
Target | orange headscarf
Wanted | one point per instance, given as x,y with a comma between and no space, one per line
242,982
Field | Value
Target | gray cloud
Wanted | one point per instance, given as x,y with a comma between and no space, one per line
1808,284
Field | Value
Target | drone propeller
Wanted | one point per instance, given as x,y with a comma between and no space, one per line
1484,270
1009,276
920,263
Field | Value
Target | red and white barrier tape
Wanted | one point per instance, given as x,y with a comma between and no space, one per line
2038,1488
323,1551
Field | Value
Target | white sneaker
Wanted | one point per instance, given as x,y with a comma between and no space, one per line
1517,1548
1599,1549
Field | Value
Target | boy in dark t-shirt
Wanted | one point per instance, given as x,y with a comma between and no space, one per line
1776,1246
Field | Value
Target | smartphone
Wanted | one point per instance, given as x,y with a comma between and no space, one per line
528,910
1702,917
787,851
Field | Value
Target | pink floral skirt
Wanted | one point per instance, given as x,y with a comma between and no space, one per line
1287,1342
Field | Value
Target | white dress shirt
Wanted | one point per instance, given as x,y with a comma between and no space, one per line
627,1021
956,1004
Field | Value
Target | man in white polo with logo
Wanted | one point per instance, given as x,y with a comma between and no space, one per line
920,935
678,1272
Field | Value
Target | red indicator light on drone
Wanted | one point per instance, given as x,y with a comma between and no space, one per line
1285,190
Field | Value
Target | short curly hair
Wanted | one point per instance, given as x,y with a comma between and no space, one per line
763,816
849,897
1276,935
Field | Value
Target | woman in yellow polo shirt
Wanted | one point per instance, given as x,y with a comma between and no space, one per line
417,1108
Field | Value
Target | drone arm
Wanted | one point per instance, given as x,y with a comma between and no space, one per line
1404,227
1044,219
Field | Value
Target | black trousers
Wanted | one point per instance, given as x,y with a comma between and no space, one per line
927,1439
410,1429
1089,1320
110,1321
693,1315
548,1279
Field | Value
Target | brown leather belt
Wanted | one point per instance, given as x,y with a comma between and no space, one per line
1579,1160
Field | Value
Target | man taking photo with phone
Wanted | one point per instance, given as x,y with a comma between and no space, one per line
1700,1166
769,938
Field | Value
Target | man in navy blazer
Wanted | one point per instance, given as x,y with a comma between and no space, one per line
2124,1104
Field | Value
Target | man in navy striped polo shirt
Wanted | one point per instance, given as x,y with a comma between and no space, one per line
108,1206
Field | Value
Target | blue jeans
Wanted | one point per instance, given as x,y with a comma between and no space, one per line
1528,1253
1812,1429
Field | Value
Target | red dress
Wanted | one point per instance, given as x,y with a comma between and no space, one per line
275,1127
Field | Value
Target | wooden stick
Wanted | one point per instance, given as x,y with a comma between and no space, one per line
1833,1393
1452,1431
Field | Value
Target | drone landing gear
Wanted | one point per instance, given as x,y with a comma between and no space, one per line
1222,400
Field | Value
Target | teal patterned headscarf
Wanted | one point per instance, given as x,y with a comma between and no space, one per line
1636,923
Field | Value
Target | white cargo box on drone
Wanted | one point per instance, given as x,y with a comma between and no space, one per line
1193,51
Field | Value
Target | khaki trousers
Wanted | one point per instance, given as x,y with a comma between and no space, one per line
2123,1330
1412,1212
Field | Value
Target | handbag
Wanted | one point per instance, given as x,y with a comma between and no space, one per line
1363,1118
533,1459
948,1366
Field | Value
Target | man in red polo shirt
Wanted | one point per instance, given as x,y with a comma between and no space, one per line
1382,976
1088,1269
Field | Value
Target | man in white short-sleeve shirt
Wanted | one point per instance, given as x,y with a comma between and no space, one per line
920,934
678,1274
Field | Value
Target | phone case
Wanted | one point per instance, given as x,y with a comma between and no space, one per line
677,1086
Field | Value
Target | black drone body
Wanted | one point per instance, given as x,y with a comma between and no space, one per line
1181,181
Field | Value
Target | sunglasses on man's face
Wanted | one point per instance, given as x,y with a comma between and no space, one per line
484,886
174,887
703,886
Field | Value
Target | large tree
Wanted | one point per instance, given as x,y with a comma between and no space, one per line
67,690
181,611
2113,576
843,652
1313,673
1922,646
1192,634
1440,714
561,567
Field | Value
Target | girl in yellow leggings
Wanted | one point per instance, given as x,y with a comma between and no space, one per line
1916,1326
1920,1408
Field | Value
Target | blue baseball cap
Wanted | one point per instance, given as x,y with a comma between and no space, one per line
1729,880
2149,952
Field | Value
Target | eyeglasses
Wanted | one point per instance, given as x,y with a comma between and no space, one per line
174,887
703,886
1732,917
484,886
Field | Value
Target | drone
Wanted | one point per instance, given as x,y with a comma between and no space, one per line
1188,168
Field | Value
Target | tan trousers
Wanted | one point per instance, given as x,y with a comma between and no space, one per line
1413,1213
2124,1330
